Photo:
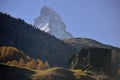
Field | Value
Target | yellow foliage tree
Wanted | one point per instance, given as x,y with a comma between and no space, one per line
8,63
29,65
33,64
21,63
14,63
46,65
40,65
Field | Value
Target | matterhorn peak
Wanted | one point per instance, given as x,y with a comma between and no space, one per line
46,11
51,22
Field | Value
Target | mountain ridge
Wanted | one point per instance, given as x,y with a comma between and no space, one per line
86,41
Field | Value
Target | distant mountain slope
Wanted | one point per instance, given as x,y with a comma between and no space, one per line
51,22
86,42
35,43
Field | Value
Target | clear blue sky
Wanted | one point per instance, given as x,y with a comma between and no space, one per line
96,19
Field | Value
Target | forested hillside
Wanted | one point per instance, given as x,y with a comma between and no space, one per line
35,43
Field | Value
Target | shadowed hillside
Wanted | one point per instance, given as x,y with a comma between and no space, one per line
54,74
66,74
35,43
15,73
57,73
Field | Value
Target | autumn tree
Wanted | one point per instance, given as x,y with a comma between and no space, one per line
21,63
118,71
14,63
33,64
40,65
46,65
8,63
29,65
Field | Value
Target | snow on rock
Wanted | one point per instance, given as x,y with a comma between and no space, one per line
51,22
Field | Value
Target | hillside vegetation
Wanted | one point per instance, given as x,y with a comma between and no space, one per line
11,53
58,73
35,43
29,54
15,57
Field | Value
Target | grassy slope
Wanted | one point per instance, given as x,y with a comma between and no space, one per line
87,42
15,73
58,73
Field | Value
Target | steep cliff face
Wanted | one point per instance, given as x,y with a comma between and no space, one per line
51,22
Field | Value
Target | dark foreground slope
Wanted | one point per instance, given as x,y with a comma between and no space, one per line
35,43
15,73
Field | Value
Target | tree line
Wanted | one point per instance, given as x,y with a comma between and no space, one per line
13,56
32,64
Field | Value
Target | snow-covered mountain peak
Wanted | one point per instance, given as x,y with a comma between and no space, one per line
47,11
51,22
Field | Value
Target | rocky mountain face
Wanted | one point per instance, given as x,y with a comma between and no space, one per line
51,22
